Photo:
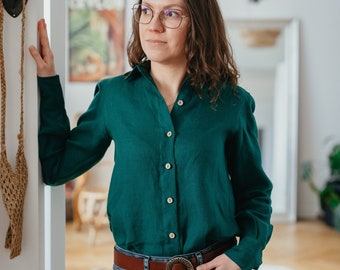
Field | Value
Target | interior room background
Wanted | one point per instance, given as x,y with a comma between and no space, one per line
319,95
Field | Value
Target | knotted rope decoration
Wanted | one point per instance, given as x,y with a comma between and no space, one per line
13,183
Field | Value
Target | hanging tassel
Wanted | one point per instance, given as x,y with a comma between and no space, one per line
13,184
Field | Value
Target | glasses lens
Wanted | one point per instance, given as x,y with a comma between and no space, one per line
171,18
142,14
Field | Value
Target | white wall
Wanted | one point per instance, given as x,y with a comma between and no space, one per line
32,254
319,76
44,209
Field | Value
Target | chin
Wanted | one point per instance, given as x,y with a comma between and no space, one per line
158,58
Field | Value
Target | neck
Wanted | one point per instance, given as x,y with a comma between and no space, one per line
168,79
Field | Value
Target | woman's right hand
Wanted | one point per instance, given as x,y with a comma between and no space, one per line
43,59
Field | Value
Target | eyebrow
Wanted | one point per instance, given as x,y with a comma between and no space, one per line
165,7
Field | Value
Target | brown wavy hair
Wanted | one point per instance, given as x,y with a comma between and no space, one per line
208,51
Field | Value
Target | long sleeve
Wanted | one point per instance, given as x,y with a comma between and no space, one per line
252,191
65,154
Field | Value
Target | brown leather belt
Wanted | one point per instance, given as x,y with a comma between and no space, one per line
181,262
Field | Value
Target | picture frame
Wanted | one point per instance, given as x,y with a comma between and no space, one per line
96,31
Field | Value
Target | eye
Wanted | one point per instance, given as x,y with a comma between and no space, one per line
172,13
145,10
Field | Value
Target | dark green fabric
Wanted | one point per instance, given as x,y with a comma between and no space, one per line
215,177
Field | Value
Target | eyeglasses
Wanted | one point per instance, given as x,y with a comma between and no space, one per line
170,18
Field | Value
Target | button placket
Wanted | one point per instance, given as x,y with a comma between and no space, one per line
169,194
168,182
167,171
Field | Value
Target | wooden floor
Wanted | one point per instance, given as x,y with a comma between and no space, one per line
306,245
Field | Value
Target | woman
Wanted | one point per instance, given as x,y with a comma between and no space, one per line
188,177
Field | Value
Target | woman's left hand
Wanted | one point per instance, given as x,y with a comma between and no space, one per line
221,262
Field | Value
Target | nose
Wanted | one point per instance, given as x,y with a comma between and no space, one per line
156,23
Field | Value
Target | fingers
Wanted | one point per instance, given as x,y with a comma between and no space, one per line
43,36
43,59
35,54
221,262
207,266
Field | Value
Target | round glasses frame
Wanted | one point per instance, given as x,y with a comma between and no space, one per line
137,13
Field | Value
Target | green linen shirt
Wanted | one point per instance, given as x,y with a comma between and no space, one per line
182,180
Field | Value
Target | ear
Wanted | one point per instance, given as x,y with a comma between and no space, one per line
13,7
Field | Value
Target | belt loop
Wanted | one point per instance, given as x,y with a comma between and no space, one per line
199,258
146,263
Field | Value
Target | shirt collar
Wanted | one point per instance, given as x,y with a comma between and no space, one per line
138,70
143,69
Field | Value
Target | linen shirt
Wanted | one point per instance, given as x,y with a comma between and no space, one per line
182,179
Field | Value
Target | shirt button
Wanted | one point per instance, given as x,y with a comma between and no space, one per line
170,200
172,235
169,134
168,166
180,102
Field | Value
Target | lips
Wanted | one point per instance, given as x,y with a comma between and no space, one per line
155,41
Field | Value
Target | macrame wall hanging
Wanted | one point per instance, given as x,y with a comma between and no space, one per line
13,183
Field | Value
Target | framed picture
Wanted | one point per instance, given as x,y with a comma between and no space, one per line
96,39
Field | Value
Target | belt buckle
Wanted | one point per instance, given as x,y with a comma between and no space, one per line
179,260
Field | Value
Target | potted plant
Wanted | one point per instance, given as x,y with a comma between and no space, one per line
329,195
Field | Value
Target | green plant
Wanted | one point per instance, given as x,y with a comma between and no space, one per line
334,160
327,194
